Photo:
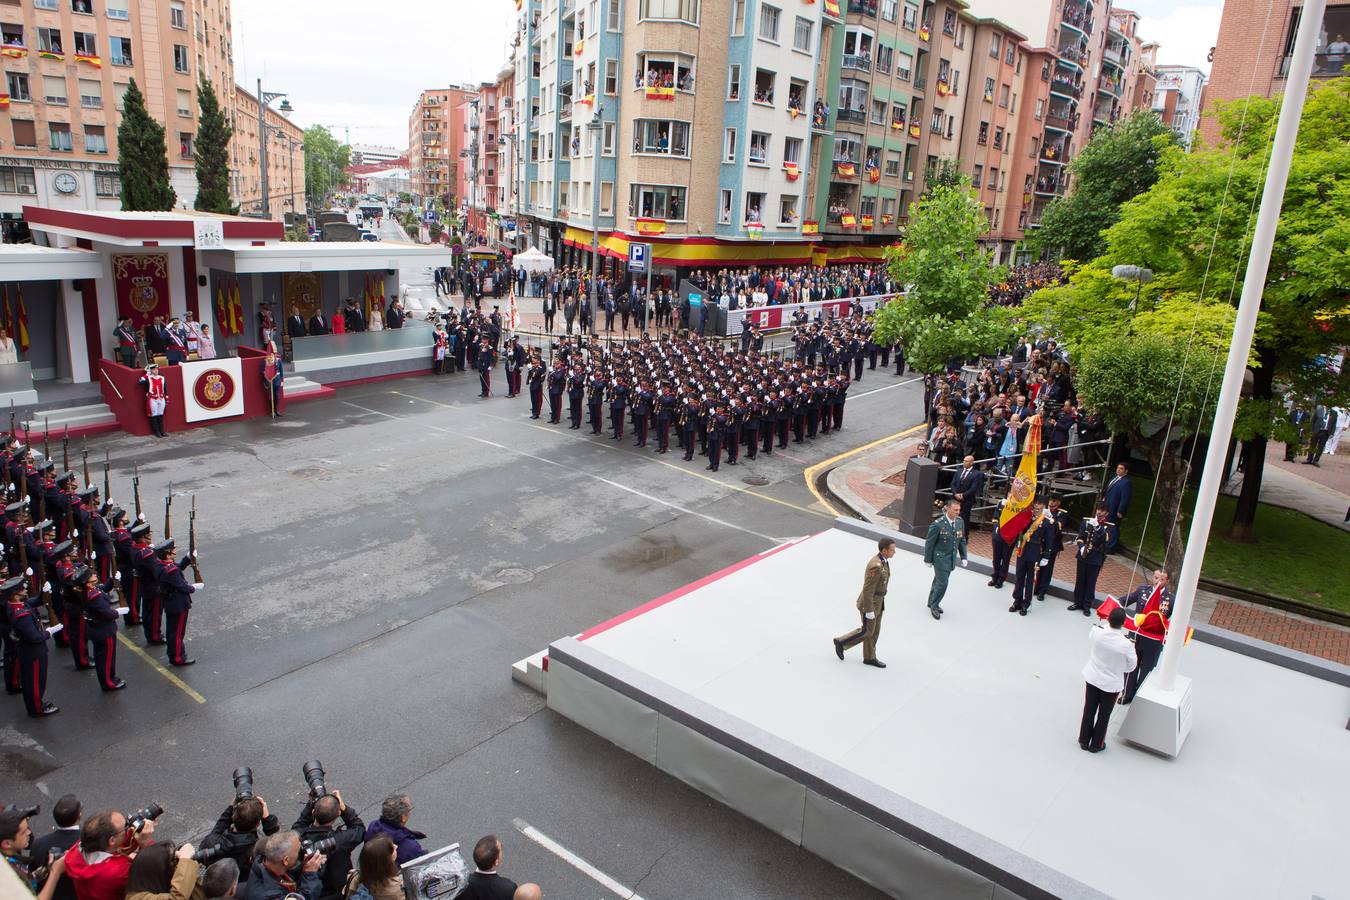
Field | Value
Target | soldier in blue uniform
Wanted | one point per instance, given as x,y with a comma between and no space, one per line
535,377
1096,538
1031,546
946,541
31,635
175,594
101,612
1059,520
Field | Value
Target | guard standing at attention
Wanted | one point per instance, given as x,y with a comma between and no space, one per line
101,614
871,604
1096,538
945,542
31,636
175,596
1032,545
486,359
535,378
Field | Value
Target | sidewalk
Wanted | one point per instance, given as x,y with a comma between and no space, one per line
872,481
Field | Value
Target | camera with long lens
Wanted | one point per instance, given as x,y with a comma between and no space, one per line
26,813
323,845
148,813
208,855
313,772
243,783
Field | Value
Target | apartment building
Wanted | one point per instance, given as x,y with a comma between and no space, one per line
1178,100
371,154
1254,47
285,159
67,65
476,186
435,138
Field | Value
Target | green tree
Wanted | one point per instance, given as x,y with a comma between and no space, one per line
212,153
944,173
944,313
326,161
1193,229
1119,162
142,158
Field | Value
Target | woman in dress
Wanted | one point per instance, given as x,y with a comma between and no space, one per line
8,352
206,344
376,322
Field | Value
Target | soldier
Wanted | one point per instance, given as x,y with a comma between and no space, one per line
576,392
1059,520
176,597
146,591
515,361
1096,538
595,401
665,408
101,612
1002,549
642,409
946,541
535,379
31,636
487,358
557,383
618,400
717,426
63,566
732,433
689,416
1032,545
123,547
871,604
156,398
754,413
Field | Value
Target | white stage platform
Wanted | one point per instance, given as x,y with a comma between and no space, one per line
956,772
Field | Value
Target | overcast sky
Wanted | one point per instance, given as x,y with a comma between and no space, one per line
359,66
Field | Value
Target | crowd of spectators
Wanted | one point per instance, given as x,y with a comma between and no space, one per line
108,855
1024,280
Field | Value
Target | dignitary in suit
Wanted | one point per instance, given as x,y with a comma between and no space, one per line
1031,546
967,484
295,325
1096,538
946,542
871,604
318,324
1117,498
1110,657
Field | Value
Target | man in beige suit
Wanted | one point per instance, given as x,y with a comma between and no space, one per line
871,604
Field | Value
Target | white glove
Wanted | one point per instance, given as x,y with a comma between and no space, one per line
929,565
46,587
74,532
965,563
117,576
198,585
869,615
28,571
123,610
93,554
111,502
140,517
55,628
1044,562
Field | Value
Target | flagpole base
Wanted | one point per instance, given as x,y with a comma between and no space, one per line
1160,718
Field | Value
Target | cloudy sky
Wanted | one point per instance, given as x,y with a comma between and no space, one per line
359,66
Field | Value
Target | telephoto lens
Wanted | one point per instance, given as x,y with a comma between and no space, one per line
325,845
313,772
208,855
148,813
243,783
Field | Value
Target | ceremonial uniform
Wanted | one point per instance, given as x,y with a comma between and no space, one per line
871,604
1095,540
175,595
515,359
717,426
642,408
576,391
30,636
1030,553
487,358
1059,519
618,401
535,378
945,542
101,613
156,398
557,383
1151,632
595,402
665,408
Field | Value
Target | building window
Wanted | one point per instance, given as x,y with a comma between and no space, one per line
613,21
759,148
754,206
768,23
868,207
792,150
801,37
729,145
911,20
878,116
607,139
682,10
83,7
1040,108
1009,57
45,4
106,184
17,180
852,101
91,94
993,178
734,82
738,17
885,56
657,201
661,136
904,65
606,198
58,133
49,40
888,8
95,139
978,178
117,9
18,86
611,76
86,43
787,209
893,162
121,51
25,133
998,138
724,208
54,89
1003,90
177,18
185,145
764,81
995,44
180,58
184,102
935,125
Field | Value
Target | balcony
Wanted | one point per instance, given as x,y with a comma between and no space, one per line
1066,89
565,110
1110,86
1079,18
862,62
863,7
1058,122
856,116
1325,65
1114,56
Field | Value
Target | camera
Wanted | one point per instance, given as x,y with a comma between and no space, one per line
148,813
324,845
27,813
208,855
243,783
313,772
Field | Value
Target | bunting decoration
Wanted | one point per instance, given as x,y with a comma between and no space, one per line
13,52
810,228
50,54
660,92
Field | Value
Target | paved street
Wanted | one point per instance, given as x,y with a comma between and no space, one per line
375,563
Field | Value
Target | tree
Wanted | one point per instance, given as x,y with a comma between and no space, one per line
1119,162
142,158
1193,228
944,313
212,153
944,173
326,162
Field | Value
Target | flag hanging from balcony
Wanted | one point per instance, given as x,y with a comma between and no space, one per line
794,112
832,9
944,89
48,54
578,47
23,322
846,170
886,219
848,220
810,229
660,92
95,61
873,174
4,101
14,52
915,131
647,227
792,170
754,230
924,33
898,125
866,223
588,99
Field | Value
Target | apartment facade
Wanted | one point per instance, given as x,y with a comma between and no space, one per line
66,67
285,159
434,142
370,154
1179,98
1254,47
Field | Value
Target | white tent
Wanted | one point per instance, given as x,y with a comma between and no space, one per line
533,260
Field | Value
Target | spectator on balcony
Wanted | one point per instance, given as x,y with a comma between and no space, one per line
1337,51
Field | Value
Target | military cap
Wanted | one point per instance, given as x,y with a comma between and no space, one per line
87,492
12,585
141,530
79,574
64,477
164,546
16,507
63,548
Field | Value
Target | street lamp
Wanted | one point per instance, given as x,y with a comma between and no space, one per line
264,100
594,125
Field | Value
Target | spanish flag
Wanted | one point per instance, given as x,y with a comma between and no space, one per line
5,318
866,223
51,54
236,311
578,47
845,170
886,219
14,52
832,9
793,171
915,130
4,101
650,226
1016,513
810,228
660,92
23,322
95,61
848,220
222,316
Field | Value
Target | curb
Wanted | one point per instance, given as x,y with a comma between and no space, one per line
836,482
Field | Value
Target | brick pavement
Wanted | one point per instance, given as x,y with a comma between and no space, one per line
1286,629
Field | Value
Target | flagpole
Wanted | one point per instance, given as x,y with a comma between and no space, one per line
1164,718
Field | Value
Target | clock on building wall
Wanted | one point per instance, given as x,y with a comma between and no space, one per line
65,182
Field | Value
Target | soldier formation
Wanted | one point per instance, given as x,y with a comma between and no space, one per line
73,562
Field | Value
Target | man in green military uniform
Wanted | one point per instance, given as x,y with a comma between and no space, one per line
946,541
871,604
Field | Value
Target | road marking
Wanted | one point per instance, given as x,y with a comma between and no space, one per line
546,461
573,860
159,667
608,446
886,388
811,471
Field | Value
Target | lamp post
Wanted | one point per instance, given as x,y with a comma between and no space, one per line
594,126
264,100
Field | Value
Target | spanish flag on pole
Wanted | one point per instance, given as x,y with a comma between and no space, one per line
1016,513
5,318
236,311
222,317
23,323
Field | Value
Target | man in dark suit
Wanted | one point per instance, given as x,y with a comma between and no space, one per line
318,324
156,338
354,319
66,813
485,883
394,317
1118,493
967,484
295,325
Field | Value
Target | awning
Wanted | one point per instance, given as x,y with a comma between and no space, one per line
326,256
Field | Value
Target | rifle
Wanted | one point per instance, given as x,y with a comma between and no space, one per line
192,541
136,487
168,505
46,439
65,450
107,488
84,456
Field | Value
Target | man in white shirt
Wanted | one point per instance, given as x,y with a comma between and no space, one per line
1111,657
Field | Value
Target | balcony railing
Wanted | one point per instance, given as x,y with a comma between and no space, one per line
863,7
1325,65
859,61
856,116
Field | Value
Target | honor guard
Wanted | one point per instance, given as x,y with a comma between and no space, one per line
156,398
100,613
175,594
535,379
30,635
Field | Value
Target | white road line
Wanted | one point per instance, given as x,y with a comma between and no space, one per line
623,487
888,387
573,860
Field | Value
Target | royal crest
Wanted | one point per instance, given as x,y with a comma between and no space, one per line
214,390
1021,490
144,297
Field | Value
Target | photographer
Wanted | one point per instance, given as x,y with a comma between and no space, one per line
236,831
280,871
221,880
15,836
100,863
318,821
163,872
66,813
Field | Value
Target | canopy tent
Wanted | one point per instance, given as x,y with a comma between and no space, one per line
533,261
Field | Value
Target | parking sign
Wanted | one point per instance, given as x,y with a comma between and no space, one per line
637,257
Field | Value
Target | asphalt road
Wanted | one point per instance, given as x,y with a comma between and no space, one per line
374,565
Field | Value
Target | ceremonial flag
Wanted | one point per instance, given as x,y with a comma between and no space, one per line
23,321
8,319
513,312
236,311
222,317
382,303
1016,513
